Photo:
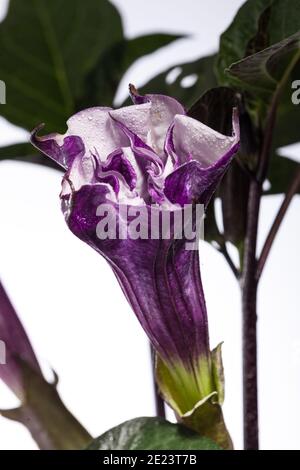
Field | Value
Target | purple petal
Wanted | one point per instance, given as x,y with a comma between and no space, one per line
62,152
191,182
117,161
202,159
160,278
136,118
194,140
143,159
163,110
133,156
91,130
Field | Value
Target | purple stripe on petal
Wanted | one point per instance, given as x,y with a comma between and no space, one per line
156,154
202,163
118,162
193,139
141,149
160,279
162,112
64,153
91,130
191,183
136,118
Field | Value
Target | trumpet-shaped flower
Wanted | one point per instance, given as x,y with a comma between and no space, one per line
152,159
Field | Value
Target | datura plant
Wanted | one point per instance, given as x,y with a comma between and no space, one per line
154,160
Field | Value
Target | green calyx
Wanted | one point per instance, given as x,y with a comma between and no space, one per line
196,395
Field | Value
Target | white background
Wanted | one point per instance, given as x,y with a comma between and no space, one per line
74,311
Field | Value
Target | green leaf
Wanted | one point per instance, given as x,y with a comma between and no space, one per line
288,119
245,35
46,51
284,20
234,192
257,25
267,74
264,71
263,43
151,434
69,58
281,173
143,45
102,83
201,69
25,152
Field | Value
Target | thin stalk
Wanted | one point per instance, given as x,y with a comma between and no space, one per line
292,190
249,305
249,282
223,249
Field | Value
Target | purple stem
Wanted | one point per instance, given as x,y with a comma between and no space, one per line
249,284
249,306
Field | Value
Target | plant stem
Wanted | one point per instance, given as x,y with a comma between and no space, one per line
223,249
251,271
249,282
159,402
293,188
249,304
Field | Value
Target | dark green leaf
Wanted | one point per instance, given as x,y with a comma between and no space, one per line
281,173
46,51
234,192
25,152
284,20
258,25
151,434
264,71
201,69
214,108
288,118
245,35
102,83
69,58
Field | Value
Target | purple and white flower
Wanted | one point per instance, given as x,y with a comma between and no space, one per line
150,153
